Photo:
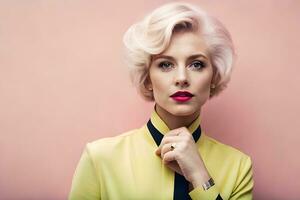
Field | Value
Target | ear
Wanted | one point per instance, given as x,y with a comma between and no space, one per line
214,76
148,83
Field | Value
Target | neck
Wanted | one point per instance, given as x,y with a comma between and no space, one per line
173,121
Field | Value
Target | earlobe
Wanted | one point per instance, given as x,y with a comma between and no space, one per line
148,84
212,87
214,79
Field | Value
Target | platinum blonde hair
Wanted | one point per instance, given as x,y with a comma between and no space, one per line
152,36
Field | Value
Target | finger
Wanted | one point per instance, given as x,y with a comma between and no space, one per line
174,132
163,142
167,147
169,137
166,140
169,157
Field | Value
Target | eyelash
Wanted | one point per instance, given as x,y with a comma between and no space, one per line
203,64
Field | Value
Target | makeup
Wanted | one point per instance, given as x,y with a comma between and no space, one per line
182,96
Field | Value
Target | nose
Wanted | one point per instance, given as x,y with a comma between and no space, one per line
181,77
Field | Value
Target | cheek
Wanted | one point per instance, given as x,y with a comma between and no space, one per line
204,84
157,89
158,82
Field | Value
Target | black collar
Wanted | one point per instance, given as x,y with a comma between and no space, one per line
158,136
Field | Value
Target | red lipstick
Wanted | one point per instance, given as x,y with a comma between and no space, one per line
182,96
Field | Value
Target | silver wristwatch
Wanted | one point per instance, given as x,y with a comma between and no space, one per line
208,184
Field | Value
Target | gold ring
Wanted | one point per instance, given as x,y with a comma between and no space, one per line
173,145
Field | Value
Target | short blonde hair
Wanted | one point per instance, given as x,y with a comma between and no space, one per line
152,36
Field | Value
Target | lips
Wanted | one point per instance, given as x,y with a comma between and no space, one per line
182,94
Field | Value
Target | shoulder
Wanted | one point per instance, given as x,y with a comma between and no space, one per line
224,151
109,145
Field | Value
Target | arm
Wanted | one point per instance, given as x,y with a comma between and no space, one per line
242,190
244,184
199,193
211,194
188,162
85,184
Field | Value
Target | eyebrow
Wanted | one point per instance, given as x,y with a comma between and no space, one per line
171,58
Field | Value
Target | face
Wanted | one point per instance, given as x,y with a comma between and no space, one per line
183,66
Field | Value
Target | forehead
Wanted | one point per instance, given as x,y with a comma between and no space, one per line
184,44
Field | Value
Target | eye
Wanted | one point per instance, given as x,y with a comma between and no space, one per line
165,65
198,65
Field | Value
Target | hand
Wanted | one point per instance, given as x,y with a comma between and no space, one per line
185,158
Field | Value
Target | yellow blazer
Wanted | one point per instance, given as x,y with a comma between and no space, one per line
126,167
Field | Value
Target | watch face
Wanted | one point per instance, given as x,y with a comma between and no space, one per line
208,184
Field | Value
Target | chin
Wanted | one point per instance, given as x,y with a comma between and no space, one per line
184,111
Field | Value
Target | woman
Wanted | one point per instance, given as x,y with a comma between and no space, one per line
179,57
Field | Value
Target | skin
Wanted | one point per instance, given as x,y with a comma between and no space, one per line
181,72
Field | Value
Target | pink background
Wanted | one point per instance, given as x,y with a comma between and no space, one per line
63,83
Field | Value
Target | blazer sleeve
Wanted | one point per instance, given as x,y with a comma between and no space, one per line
85,184
242,190
244,184
210,194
